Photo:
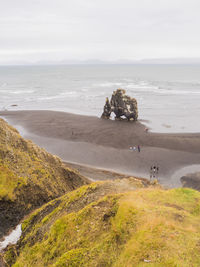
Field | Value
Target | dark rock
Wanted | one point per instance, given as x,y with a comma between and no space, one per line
107,110
191,180
122,105
107,216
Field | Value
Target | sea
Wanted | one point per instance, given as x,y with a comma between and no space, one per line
168,96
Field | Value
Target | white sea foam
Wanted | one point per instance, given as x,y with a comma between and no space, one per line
15,92
68,93
84,90
127,80
108,84
140,87
61,95
22,92
176,92
49,97
12,238
3,84
101,94
161,92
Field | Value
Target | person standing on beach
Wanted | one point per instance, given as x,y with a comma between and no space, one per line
139,148
154,171
151,172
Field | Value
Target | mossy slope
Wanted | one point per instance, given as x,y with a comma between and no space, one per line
96,225
29,177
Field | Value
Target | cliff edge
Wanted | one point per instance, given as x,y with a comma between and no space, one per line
118,223
29,177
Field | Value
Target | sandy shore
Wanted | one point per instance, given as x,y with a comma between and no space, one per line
105,144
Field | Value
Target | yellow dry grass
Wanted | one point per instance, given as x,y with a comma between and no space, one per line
146,227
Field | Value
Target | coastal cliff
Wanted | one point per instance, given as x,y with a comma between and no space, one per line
72,222
29,177
119,223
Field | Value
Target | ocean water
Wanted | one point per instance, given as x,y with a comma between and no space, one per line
168,95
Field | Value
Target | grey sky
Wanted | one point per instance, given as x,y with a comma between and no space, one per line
34,30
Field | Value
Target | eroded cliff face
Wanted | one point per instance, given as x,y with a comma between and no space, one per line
118,223
29,177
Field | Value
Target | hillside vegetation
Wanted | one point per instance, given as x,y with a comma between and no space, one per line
71,222
117,224
29,177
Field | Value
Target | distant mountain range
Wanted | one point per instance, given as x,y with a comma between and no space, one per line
170,61
127,61
163,61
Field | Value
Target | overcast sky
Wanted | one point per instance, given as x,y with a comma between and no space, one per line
41,30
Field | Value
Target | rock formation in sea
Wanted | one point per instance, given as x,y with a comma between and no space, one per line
107,110
122,105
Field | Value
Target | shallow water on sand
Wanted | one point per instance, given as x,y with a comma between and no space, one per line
118,160
184,171
168,95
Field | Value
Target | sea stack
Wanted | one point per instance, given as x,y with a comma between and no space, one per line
122,105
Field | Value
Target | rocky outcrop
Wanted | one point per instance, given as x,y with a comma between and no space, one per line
191,180
29,177
107,110
122,105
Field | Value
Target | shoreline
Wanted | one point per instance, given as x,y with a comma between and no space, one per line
98,174
104,144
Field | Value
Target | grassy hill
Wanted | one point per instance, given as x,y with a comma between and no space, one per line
29,177
126,222
118,223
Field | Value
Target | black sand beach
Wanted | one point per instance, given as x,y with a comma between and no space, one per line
104,144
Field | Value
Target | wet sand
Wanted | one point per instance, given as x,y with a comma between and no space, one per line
98,174
97,143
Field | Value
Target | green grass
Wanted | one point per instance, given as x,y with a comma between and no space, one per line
9,182
24,163
81,229
159,226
